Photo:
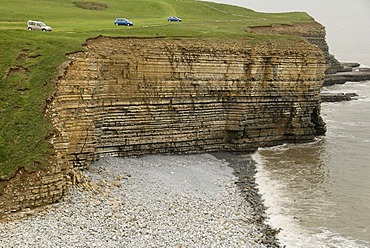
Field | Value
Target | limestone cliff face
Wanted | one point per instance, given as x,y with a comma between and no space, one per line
27,190
314,32
123,97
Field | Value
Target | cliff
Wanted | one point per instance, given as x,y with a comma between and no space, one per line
336,72
131,96
124,97
314,32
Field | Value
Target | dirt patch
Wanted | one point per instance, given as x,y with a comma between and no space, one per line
301,29
91,5
16,70
23,89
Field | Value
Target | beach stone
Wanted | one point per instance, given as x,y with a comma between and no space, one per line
198,205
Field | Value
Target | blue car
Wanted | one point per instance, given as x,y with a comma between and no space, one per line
174,19
123,21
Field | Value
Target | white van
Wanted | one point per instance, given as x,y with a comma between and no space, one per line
37,25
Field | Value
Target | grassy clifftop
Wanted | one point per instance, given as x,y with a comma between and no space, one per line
29,59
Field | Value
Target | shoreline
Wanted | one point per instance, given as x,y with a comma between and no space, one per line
155,200
247,185
350,72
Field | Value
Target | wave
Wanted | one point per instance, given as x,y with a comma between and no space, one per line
281,206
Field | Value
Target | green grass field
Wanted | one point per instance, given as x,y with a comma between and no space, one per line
29,59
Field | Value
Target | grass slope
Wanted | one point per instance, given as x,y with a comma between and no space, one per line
29,59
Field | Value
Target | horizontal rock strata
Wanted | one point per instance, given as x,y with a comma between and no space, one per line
338,97
314,32
26,190
125,96
354,75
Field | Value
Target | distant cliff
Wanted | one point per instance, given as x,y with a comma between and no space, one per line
131,96
336,72
314,32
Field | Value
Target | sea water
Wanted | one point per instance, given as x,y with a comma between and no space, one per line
318,193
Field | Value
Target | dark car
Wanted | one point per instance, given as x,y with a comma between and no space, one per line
123,21
173,19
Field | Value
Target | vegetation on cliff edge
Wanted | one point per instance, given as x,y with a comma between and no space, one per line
29,60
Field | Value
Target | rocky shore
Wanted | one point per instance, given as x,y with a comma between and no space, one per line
349,72
346,72
153,201
337,97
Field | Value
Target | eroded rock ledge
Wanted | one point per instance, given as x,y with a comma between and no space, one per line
124,96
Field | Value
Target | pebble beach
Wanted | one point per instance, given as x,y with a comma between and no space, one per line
151,201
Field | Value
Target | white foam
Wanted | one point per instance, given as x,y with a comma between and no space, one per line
272,191
278,202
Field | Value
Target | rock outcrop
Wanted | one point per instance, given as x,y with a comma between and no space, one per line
336,72
338,97
27,190
124,97
348,74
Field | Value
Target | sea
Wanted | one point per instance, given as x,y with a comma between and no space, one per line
318,193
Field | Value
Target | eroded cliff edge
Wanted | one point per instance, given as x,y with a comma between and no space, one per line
313,32
126,96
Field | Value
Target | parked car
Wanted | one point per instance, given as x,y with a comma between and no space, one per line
174,19
38,25
123,21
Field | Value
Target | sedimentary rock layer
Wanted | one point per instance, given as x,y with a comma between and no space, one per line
314,32
125,96
26,190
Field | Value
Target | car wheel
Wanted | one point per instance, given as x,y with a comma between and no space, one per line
44,30
29,29
116,24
